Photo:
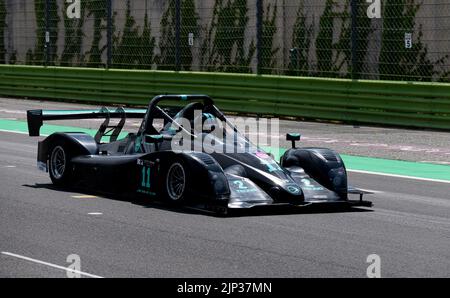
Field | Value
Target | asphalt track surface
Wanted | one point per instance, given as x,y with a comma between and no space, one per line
409,228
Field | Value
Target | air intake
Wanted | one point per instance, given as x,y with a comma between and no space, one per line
206,159
328,155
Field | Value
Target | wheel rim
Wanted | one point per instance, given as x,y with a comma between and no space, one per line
176,182
58,162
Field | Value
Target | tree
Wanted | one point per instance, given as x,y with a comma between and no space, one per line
188,24
73,37
224,50
396,62
147,45
333,57
324,41
97,9
45,52
133,50
363,30
2,32
268,52
301,43
127,50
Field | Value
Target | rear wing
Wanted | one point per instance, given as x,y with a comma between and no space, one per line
36,118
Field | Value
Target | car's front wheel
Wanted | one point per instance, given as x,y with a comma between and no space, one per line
176,183
59,164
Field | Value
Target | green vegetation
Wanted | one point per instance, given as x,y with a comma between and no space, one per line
268,52
147,45
73,38
45,53
397,62
363,30
166,60
301,44
228,42
126,52
97,9
13,58
324,41
189,24
334,57
224,48
2,32
134,50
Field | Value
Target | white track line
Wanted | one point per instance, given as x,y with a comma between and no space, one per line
49,264
399,176
20,132
14,131
12,111
84,197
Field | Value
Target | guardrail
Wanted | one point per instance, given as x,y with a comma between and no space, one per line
421,105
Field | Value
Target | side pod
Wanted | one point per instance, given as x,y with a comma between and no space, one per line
207,179
206,166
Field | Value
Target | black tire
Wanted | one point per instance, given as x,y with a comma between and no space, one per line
60,168
176,183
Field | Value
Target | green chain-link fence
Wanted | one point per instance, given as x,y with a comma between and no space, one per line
400,40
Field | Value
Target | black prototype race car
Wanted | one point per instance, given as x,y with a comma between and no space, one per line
146,163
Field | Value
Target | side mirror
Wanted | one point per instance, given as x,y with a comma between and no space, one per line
293,137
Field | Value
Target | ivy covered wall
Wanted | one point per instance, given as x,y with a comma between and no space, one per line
301,38
2,31
398,62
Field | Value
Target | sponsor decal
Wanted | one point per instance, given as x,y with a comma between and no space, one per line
240,186
293,189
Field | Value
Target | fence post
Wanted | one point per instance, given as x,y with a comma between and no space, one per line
47,50
259,33
354,37
177,35
109,34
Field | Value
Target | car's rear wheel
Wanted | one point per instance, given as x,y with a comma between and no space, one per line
59,164
176,183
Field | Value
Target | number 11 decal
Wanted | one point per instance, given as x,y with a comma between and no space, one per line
146,177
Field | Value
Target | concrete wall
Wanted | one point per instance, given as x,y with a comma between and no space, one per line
20,32
21,26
